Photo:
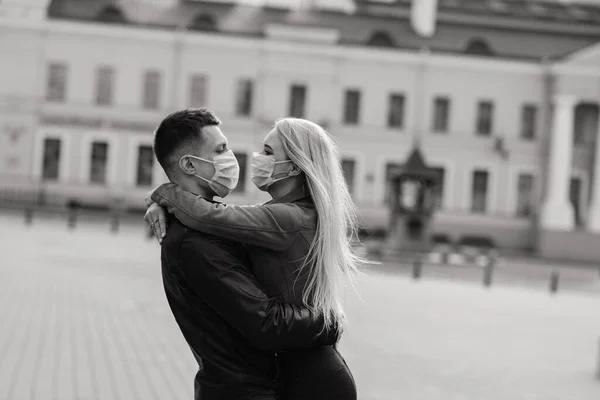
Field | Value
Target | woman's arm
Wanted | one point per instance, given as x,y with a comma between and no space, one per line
217,275
272,226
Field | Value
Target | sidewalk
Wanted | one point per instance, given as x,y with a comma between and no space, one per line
84,327
84,317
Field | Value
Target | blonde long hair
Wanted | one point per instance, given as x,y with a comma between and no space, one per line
331,253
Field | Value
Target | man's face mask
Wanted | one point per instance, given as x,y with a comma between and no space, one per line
226,175
262,168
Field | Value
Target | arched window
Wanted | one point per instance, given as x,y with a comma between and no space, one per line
203,22
478,47
381,39
111,14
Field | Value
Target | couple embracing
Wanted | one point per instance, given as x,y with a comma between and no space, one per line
256,290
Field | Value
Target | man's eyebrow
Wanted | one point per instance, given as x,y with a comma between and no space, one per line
269,147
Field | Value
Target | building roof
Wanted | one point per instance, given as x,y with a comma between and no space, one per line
532,10
516,29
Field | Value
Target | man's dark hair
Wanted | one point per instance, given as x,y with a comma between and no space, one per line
178,130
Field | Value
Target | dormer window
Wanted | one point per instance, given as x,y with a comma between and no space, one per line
478,47
111,14
204,22
381,39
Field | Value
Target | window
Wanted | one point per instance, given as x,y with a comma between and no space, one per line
151,94
479,191
145,163
396,110
348,166
243,104
242,159
528,121
525,184
104,85
198,88
485,110
51,160
438,188
586,121
441,109
352,107
56,89
297,101
98,162
579,129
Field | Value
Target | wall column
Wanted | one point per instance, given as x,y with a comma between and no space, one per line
557,211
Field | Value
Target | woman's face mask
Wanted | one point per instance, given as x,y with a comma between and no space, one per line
227,172
262,170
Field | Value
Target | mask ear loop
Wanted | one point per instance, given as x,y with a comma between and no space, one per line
290,174
203,178
283,172
197,158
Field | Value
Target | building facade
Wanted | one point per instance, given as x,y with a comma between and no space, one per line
503,101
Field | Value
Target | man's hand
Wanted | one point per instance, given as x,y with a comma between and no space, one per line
156,218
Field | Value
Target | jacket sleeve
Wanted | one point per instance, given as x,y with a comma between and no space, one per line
229,287
272,226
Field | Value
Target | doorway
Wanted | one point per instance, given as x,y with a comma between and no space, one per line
576,198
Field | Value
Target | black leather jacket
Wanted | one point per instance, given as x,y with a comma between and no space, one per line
278,234
232,327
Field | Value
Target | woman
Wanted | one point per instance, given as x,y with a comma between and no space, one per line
299,243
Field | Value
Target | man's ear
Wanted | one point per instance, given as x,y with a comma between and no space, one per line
186,165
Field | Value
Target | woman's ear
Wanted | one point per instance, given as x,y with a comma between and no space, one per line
295,170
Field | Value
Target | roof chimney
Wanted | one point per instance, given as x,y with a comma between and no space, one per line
423,17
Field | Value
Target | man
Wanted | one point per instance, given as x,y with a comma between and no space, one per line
229,323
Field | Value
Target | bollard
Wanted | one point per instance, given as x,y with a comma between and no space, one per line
114,223
417,267
488,272
28,216
71,218
554,277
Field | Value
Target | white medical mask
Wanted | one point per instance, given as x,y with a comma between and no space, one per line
227,173
261,170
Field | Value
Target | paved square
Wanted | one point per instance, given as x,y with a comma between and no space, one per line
84,316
